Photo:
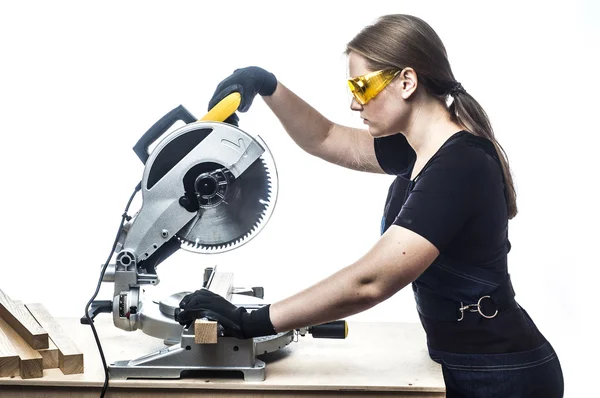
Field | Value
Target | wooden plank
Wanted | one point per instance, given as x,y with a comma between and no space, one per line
23,324
9,359
205,331
30,361
70,358
50,354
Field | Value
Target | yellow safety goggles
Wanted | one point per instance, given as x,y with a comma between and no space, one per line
366,87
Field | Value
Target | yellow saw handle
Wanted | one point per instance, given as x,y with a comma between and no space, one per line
224,108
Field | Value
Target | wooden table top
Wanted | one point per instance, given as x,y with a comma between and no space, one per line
374,357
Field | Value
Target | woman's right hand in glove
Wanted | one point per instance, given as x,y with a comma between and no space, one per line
248,82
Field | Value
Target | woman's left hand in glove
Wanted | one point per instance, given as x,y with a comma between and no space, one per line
236,321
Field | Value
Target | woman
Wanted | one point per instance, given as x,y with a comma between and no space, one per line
445,221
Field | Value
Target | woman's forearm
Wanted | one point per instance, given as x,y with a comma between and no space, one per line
343,294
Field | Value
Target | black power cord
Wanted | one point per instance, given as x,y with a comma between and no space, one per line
124,217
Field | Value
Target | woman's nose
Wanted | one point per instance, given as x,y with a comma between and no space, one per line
355,106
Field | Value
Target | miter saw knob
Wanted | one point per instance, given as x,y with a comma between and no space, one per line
184,201
330,330
188,203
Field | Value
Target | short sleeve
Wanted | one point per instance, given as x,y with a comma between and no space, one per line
394,153
445,196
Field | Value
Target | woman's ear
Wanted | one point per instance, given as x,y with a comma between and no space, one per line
408,82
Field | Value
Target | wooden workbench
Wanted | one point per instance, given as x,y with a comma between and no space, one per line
383,359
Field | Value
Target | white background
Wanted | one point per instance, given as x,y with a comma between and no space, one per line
81,82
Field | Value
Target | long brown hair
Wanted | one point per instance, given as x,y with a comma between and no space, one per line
399,41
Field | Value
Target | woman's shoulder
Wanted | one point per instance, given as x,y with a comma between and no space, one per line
468,155
469,147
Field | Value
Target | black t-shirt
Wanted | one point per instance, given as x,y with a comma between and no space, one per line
457,203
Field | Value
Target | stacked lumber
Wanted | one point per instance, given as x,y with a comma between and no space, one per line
31,340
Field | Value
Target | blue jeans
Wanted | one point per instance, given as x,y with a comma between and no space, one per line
534,373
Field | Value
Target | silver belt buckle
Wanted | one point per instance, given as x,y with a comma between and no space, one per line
475,308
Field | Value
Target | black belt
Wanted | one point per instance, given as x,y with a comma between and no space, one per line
436,307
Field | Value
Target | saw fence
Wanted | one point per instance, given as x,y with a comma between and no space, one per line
31,340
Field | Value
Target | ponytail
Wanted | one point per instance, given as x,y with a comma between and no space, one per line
466,111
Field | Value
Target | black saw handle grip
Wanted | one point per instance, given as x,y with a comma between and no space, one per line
330,330
159,128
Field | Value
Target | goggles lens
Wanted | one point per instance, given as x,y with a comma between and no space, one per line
366,87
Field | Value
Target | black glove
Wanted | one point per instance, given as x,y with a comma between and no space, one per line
236,321
248,82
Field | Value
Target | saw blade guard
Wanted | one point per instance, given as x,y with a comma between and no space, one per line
209,185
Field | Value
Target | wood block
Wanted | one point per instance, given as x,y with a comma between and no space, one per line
9,359
22,323
205,332
31,362
70,358
50,354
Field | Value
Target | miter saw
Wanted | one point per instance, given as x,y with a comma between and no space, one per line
207,187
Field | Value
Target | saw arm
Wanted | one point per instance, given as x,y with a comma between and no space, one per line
206,187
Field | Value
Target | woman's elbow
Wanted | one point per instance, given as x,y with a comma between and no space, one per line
369,295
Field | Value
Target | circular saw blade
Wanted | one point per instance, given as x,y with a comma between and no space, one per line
236,218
